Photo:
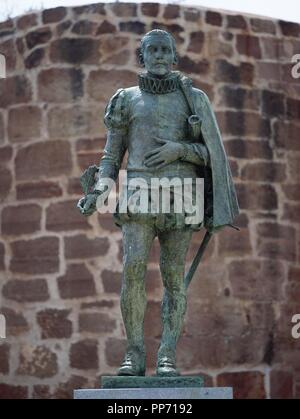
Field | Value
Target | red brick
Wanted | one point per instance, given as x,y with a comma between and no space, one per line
293,109
85,160
41,392
225,319
7,48
84,248
111,281
38,190
26,291
4,358
243,124
60,85
38,36
62,27
237,97
95,322
27,21
289,28
2,254
106,27
75,51
86,145
76,121
16,323
114,351
37,362
74,187
276,241
201,352
230,73
110,80
42,159
107,223
264,172
248,149
272,103
196,42
248,45
84,355
5,182
77,282
84,27
236,22
191,14
1,129
64,216
150,9
246,385
172,11
14,90
135,27
281,384
154,285
291,212
5,154
54,324
7,24
65,390
213,18
35,59
54,15
252,280
234,243
24,123
95,8
13,392
186,64
153,324
257,197
269,71
124,9
21,219
286,135
293,167
292,191
35,256
260,315
263,26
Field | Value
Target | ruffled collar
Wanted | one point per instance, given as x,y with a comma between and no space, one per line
159,86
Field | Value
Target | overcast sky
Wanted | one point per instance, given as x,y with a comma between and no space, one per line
280,9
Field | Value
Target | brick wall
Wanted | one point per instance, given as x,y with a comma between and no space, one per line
60,273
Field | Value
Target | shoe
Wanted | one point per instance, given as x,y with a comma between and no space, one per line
166,367
134,363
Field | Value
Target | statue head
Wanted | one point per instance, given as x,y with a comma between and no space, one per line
158,52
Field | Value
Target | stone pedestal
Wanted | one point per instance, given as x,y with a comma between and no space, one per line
160,388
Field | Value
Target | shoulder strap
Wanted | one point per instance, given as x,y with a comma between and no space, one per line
186,88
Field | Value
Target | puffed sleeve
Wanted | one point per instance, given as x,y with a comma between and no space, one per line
116,112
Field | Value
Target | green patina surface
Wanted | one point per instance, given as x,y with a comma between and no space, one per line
150,382
169,130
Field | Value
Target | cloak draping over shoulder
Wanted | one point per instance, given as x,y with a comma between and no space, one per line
221,205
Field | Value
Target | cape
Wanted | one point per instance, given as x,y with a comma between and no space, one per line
221,204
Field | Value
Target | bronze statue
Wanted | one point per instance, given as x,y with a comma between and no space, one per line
169,130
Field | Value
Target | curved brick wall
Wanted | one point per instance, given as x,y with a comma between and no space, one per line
60,273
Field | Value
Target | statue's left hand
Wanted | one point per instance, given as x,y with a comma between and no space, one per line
168,152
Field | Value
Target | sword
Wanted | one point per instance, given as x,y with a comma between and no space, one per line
189,276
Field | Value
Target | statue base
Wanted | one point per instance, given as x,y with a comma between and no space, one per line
180,387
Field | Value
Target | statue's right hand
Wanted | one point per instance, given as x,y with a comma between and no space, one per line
87,204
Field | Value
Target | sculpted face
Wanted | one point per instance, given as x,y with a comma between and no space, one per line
158,55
